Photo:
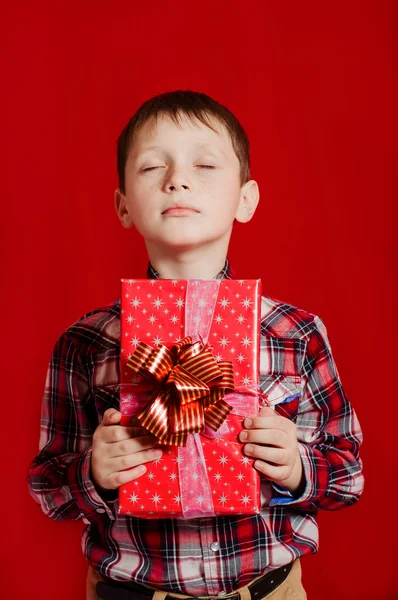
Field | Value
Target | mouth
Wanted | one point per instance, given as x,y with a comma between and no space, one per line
180,211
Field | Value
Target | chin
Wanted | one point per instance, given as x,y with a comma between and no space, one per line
183,241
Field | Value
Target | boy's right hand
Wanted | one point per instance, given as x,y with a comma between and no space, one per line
119,453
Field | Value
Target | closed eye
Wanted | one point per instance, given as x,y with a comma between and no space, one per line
159,167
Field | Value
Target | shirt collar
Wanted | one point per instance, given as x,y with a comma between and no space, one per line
225,273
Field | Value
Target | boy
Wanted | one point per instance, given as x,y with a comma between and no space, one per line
184,177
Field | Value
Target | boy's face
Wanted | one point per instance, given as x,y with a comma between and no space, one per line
183,185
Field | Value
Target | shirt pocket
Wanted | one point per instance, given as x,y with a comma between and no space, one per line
282,393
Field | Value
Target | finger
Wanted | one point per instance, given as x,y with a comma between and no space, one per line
117,433
115,480
273,437
132,445
277,456
120,463
111,417
266,411
273,473
137,431
269,422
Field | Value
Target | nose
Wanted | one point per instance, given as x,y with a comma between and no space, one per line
176,181
172,187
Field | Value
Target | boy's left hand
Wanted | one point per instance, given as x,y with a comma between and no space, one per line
272,440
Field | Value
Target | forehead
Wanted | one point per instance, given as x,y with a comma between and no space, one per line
187,132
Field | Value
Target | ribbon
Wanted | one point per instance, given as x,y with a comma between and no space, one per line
189,389
193,476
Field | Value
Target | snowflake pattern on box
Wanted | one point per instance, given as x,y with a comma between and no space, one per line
154,311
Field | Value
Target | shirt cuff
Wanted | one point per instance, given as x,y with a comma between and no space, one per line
311,491
87,497
282,491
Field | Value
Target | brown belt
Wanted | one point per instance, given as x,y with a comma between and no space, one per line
116,590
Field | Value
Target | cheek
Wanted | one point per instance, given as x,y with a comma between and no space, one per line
142,185
227,193
225,203
142,198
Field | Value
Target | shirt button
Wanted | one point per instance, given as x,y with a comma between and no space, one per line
215,546
100,510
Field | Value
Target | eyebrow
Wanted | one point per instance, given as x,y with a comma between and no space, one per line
198,145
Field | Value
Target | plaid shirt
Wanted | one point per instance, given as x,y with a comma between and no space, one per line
301,381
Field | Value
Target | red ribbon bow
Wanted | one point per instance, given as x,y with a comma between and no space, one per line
189,389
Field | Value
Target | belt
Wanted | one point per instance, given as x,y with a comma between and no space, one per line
116,590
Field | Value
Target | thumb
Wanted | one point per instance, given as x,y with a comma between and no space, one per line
266,411
111,417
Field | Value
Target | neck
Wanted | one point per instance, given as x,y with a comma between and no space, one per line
203,263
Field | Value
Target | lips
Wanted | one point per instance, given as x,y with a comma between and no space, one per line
180,210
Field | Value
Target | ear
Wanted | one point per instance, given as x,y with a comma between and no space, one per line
121,209
249,197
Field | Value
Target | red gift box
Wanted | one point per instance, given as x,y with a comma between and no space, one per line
207,326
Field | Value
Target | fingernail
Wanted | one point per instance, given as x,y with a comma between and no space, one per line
141,469
243,435
248,448
248,422
157,453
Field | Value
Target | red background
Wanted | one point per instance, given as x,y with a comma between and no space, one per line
314,86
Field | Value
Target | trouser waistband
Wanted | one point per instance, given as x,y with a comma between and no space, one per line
256,589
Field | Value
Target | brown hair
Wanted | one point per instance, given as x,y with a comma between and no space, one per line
193,105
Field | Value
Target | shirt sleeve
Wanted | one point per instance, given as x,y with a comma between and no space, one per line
59,476
329,435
